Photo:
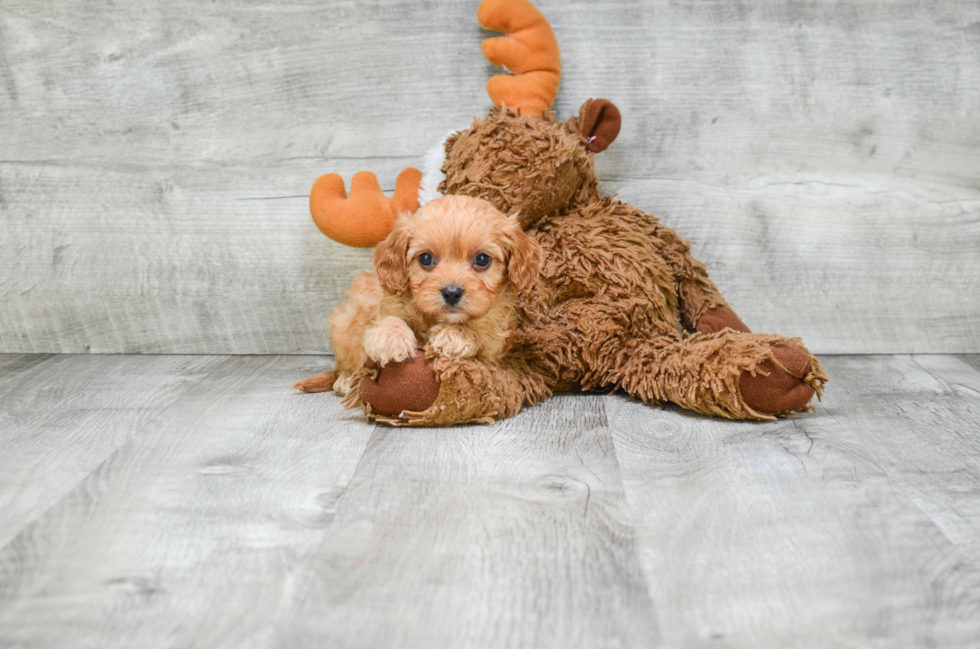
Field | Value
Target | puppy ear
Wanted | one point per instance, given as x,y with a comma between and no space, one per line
524,256
391,258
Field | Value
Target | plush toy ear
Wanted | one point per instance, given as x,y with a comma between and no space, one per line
599,120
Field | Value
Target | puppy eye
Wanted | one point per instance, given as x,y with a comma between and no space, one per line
482,260
426,260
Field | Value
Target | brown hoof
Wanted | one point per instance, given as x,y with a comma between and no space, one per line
714,320
783,390
408,385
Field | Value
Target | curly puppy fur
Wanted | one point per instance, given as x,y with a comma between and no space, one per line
620,295
446,278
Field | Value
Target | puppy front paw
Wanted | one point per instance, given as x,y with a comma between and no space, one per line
454,341
391,340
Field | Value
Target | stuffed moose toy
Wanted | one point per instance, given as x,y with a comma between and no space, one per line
621,303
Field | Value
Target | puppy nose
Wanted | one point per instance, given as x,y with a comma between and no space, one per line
452,294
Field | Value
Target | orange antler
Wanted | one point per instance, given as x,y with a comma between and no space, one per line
529,51
366,218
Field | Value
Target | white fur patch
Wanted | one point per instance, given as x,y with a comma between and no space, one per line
432,170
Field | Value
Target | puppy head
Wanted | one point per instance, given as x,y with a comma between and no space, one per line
455,256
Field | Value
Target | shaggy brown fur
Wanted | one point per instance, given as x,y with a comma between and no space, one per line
620,295
523,165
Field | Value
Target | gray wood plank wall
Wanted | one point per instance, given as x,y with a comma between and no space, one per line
155,157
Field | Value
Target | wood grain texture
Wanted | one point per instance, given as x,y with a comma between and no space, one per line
14,367
244,515
918,416
189,533
476,536
156,157
855,526
61,418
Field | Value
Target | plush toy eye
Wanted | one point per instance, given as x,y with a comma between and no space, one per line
482,261
426,260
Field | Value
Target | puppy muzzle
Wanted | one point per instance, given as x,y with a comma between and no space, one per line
452,295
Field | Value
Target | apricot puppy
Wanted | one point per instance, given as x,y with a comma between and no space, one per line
446,277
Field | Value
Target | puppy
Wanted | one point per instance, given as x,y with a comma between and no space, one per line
446,277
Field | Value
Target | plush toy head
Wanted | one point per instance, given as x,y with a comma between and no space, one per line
519,157
529,166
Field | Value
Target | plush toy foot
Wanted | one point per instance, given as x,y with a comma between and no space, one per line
409,385
785,389
783,385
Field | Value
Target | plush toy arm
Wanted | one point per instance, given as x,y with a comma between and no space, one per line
436,390
702,306
366,218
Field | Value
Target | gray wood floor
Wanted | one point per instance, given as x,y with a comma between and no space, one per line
175,501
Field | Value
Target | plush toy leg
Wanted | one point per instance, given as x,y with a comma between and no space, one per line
468,391
728,374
